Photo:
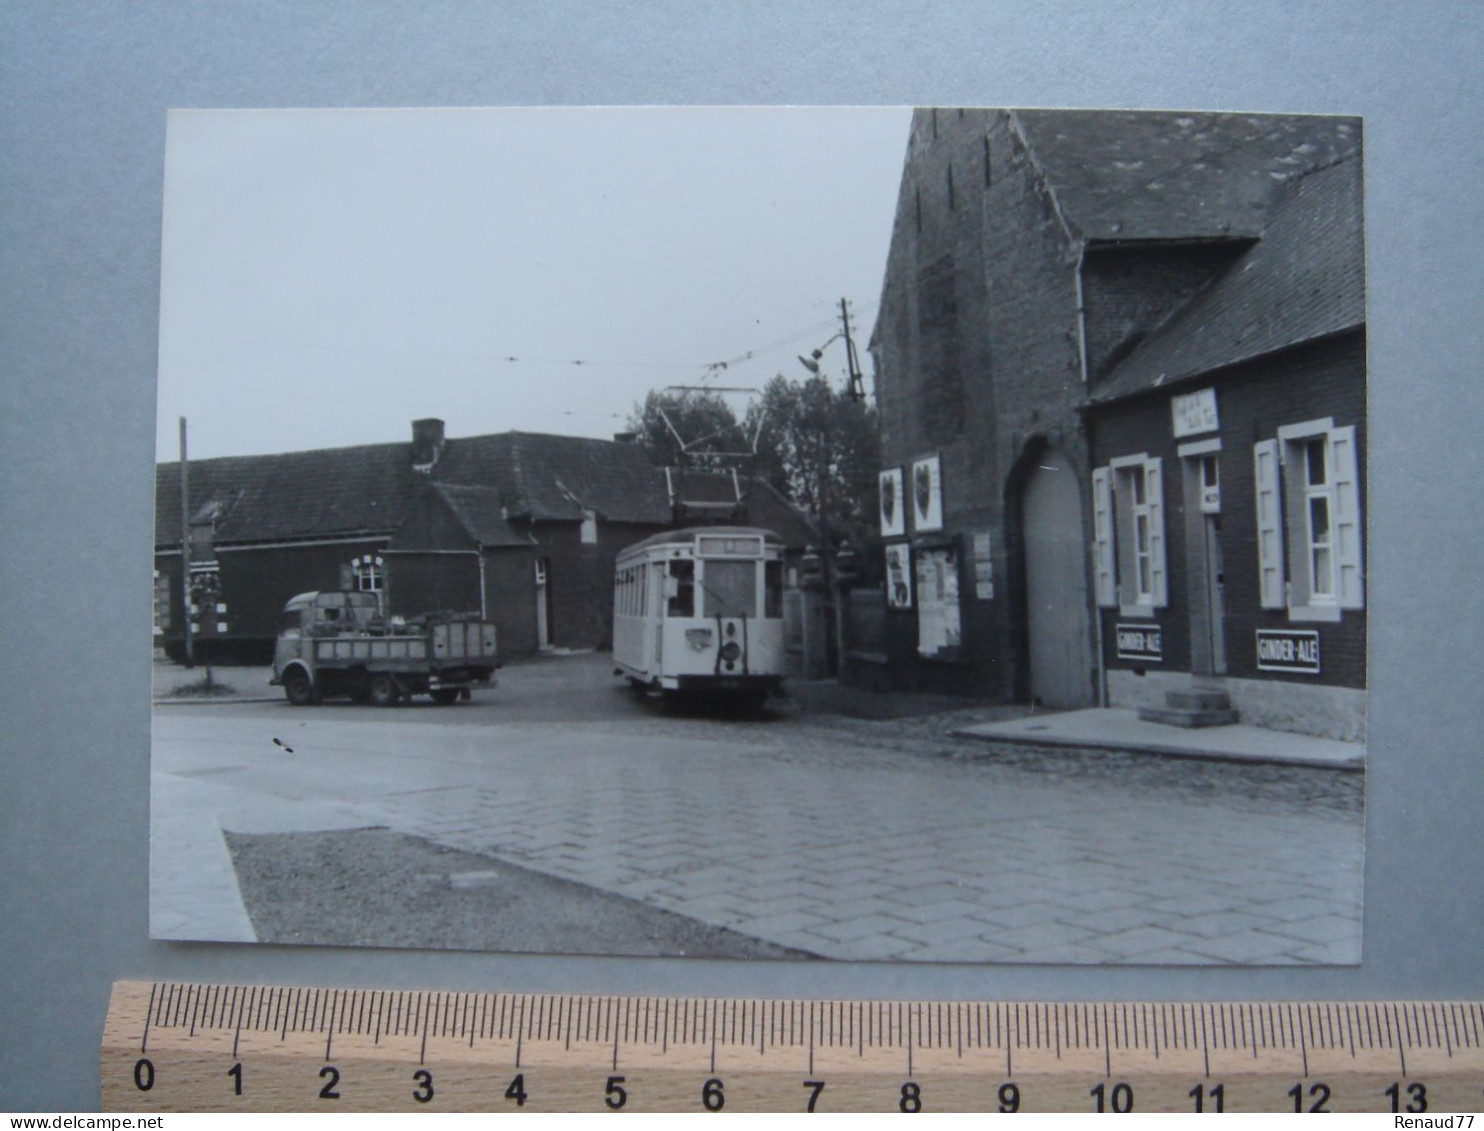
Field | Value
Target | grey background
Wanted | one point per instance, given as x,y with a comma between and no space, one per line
83,92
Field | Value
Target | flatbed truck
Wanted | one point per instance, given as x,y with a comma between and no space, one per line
337,644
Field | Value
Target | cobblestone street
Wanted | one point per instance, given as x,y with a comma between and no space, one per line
845,838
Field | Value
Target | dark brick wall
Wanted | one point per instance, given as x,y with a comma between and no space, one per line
255,585
1128,290
978,359
1325,379
432,583
579,584
510,590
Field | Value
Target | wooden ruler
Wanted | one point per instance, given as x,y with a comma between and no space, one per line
188,1047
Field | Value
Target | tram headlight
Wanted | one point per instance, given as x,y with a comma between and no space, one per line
731,651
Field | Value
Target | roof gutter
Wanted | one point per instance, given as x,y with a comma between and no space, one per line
1081,313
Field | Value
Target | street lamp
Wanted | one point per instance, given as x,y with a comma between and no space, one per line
855,384
811,362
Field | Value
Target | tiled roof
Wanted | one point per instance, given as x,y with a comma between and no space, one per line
480,512
768,509
339,492
558,477
1304,279
1135,175
326,493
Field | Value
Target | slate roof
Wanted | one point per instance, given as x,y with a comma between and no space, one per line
1304,279
333,492
480,511
1136,175
545,477
365,490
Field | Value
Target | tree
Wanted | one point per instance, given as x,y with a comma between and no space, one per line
818,446
687,429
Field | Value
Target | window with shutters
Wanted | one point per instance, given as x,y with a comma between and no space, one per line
1308,521
1129,568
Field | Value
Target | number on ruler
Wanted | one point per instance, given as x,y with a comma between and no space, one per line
1120,1099
1319,1093
815,1086
517,1090
1217,1094
1418,1094
911,1099
711,1095
614,1095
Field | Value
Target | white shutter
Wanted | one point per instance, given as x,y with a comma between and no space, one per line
1269,524
1347,524
1154,489
1102,539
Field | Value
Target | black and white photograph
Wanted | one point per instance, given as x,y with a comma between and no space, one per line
899,535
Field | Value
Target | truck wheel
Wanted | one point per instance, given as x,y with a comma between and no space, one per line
445,696
298,688
384,690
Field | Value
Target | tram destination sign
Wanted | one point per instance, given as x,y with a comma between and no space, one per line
1288,650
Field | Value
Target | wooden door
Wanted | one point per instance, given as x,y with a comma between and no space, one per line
1056,586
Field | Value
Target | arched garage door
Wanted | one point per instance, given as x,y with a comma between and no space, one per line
1056,585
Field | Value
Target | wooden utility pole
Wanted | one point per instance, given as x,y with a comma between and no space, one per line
857,385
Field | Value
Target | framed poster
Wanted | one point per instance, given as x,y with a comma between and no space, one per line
939,627
899,576
893,506
927,494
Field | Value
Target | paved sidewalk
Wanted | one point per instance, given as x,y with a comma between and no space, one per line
1114,729
842,850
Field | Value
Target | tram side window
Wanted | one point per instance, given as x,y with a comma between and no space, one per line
682,589
773,589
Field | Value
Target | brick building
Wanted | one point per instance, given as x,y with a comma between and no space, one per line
1039,261
1227,488
522,528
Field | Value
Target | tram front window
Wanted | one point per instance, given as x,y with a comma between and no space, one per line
729,588
773,589
681,589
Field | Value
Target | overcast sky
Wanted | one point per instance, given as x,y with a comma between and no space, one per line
331,275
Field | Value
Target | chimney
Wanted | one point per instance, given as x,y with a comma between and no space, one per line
626,437
427,443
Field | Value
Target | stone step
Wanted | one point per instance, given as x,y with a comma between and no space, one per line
1189,719
1196,700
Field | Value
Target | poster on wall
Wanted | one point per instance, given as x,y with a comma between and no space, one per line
893,506
938,626
927,494
899,576
983,567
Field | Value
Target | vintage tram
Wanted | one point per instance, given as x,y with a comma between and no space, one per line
700,610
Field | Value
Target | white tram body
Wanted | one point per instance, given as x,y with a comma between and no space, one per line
701,609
